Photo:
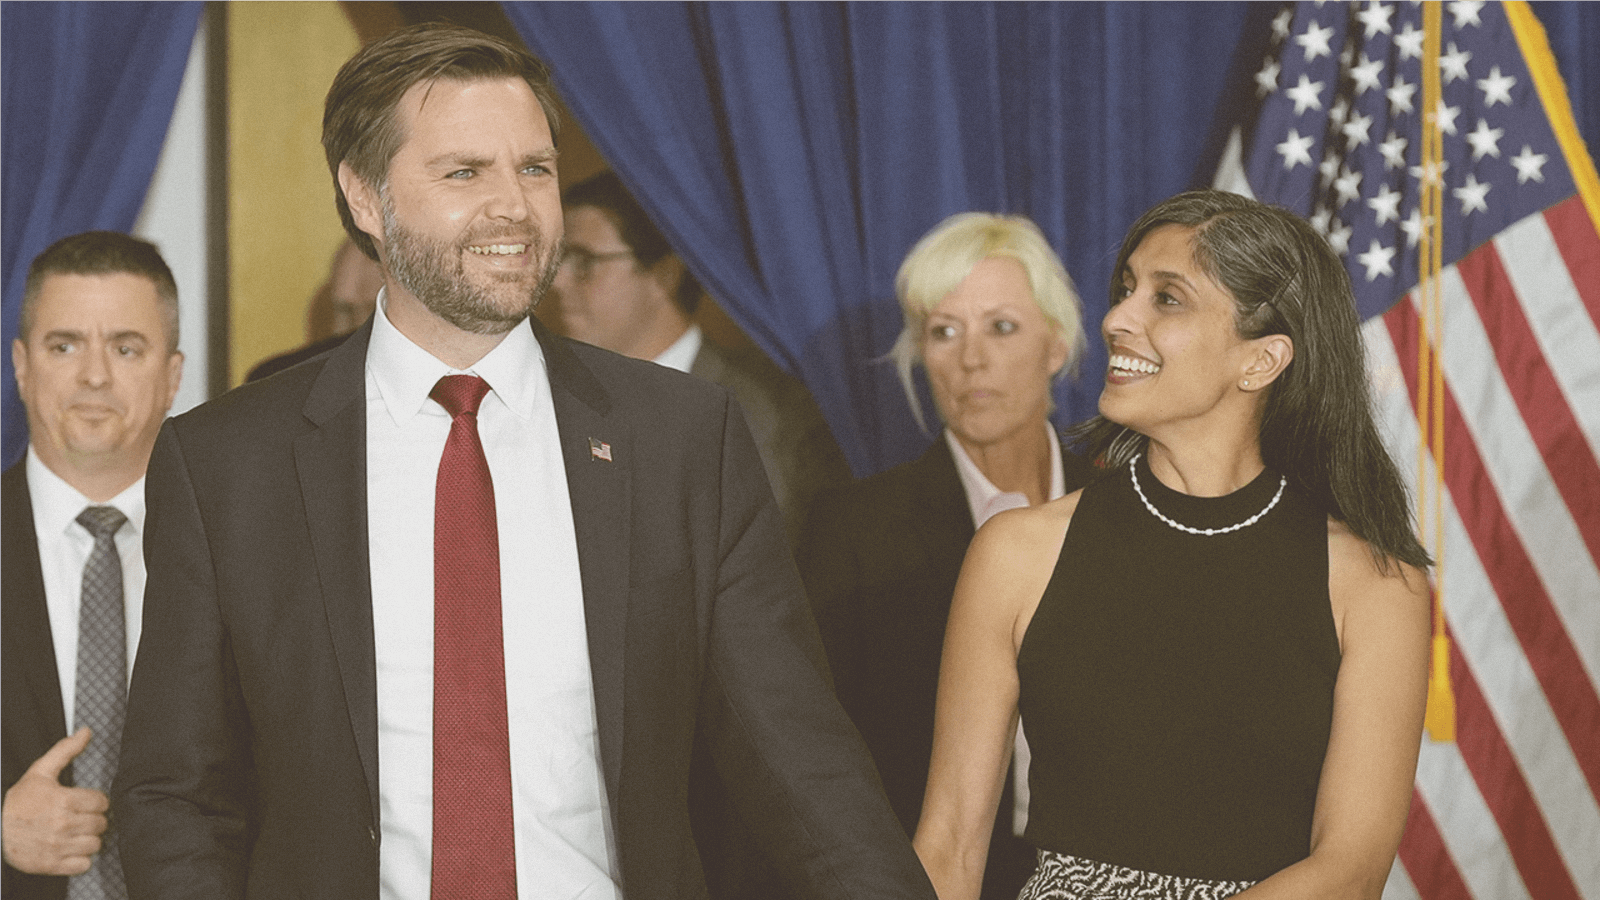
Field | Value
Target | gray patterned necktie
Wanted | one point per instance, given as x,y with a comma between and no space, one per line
101,690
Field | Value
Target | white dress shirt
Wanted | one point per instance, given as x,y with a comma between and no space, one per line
681,354
985,500
64,548
564,840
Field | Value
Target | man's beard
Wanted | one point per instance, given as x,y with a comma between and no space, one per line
432,271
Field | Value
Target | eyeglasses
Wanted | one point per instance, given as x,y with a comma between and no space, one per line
583,261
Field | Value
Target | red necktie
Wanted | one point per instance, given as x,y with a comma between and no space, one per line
473,849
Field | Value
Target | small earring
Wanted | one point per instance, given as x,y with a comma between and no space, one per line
1246,383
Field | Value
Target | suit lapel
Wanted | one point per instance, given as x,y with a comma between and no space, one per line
709,363
601,494
27,627
943,520
331,463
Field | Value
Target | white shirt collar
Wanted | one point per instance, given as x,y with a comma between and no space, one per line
681,354
983,498
56,504
405,373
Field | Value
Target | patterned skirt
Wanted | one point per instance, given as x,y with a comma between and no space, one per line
1061,877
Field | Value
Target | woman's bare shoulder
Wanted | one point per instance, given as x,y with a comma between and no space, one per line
1010,563
1025,530
1359,586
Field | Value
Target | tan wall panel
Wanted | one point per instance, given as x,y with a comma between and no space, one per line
282,227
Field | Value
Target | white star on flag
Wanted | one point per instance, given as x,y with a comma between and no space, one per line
1413,225
1267,78
1339,237
1393,149
1368,75
1429,173
1329,168
1315,41
1295,149
1496,88
1339,112
1280,25
1386,204
1485,141
1409,40
1348,185
1356,132
1466,13
1375,19
1320,219
1400,95
1376,260
1446,116
1529,165
1454,64
1473,196
1306,95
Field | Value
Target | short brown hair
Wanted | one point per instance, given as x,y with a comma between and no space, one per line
605,192
102,253
359,125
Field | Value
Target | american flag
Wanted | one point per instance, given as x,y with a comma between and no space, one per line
1333,131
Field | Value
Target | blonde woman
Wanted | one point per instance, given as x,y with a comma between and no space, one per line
992,317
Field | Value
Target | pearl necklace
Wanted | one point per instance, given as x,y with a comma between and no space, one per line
1133,473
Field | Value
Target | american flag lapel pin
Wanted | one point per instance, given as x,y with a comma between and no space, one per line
599,449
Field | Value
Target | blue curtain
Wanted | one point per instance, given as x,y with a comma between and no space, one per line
794,152
88,91
1574,32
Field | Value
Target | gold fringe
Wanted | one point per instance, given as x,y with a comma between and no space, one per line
1441,717
1441,710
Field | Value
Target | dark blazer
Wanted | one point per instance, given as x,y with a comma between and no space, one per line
800,456
794,441
31,715
880,559
272,365
249,761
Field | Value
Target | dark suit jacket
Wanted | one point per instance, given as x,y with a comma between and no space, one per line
800,456
272,365
249,761
31,715
880,560
794,441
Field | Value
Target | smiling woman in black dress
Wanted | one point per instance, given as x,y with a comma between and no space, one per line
1218,647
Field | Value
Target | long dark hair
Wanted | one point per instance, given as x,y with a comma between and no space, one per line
1317,426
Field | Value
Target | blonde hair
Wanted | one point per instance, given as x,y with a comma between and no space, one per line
945,256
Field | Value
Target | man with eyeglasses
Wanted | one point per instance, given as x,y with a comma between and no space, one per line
621,287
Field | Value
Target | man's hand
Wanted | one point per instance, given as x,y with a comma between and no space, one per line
50,829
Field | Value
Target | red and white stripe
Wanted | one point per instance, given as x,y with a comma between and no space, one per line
1512,809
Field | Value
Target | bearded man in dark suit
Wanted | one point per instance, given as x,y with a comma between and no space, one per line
574,556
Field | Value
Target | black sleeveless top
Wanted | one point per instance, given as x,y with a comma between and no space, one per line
1177,689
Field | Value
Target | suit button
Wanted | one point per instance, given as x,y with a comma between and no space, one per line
372,835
